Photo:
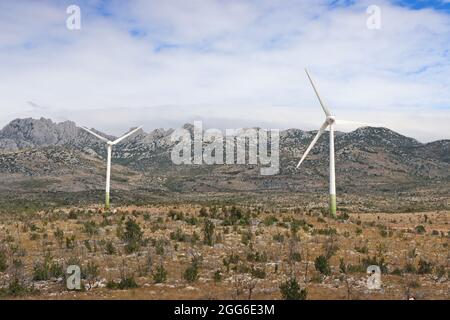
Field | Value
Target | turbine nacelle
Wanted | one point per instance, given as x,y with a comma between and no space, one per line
331,120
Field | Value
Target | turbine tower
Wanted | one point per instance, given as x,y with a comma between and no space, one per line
109,145
330,122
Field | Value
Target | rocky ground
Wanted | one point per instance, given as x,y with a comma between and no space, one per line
223,252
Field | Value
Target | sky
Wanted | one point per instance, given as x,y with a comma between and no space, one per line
230,63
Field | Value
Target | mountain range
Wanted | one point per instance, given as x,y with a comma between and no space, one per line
41,156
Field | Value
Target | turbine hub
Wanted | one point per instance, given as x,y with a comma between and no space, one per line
331,119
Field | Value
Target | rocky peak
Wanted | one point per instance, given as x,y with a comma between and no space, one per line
379,137
23,133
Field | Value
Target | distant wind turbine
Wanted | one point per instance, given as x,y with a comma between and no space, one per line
109,145
330,122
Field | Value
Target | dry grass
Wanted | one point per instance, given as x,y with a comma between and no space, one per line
392,237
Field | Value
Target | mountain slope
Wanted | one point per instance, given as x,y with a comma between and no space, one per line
366,159
58,168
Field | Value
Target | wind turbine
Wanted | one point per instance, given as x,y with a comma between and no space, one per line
109,145
330,122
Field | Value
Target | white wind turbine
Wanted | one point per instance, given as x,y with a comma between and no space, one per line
330,122
109,145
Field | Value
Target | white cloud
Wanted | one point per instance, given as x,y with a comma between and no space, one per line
226,62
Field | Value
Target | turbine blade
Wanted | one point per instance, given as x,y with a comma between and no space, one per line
325,109
125,136
95,134
319,133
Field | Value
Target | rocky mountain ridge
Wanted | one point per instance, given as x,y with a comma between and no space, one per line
366,159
